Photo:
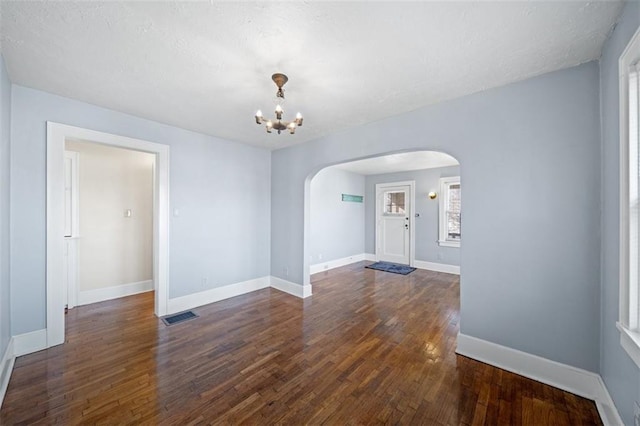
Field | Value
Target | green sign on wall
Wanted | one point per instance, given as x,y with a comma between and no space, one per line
352,198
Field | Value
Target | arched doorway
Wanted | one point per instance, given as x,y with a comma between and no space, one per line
345,221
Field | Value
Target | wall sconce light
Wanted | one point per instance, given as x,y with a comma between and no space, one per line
432,195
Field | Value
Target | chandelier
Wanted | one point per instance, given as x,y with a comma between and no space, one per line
279,124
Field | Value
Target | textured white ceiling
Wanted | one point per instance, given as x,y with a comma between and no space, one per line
207,66
402,162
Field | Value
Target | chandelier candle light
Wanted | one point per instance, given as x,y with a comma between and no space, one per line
279,124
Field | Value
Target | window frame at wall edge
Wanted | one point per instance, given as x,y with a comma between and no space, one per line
629,310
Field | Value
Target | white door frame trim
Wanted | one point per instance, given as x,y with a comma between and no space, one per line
56,135
412,217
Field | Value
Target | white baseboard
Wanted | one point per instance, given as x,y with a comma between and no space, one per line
571,379
370,257
6,367
27,343
606,407
438,267
191,301
194,300
325,266
107,293
301,291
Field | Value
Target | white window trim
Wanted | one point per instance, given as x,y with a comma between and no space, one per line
442,214
628,323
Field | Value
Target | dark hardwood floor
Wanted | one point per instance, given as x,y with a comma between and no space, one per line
368,347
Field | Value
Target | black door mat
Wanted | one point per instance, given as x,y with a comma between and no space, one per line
391,267
177,318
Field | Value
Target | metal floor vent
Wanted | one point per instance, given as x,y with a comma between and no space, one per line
181,317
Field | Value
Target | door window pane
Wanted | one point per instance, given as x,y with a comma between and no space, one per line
394,202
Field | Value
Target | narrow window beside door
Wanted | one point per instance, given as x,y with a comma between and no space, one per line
450,217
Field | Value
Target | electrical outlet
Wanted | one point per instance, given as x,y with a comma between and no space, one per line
320,256
286,271
636,414
204,282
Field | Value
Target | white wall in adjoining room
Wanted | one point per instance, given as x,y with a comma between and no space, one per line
427,248
114,249
336,226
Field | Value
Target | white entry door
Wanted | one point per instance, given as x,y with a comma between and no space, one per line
394,222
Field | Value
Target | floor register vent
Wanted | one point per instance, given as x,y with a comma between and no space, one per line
178,318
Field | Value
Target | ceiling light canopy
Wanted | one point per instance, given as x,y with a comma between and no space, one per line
279,124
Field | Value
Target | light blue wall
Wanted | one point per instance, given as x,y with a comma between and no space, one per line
426,232
5,133
530,266
337,227
221,189
618,371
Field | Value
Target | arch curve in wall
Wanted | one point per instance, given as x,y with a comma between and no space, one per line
411,165
531,258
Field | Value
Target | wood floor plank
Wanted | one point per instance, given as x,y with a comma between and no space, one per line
368,347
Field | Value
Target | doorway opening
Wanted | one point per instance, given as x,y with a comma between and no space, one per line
108,222
57,226
388,208
395,222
